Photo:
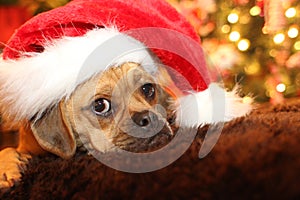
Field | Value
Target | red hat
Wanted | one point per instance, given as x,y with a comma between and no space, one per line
42,59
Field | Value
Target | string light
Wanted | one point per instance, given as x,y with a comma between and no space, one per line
234,36
273,53
233,18
279,38
225,28
252,69
293,32
280,87
243,45
290,13
255,10
247,100
297,45
264,30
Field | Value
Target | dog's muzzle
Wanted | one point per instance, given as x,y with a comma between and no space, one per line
147,131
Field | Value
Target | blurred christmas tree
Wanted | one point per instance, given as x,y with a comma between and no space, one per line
252,42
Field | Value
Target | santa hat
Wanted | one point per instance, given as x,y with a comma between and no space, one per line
42,60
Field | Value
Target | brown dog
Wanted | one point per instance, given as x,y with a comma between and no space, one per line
124,107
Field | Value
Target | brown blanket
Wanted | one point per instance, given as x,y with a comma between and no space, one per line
256,157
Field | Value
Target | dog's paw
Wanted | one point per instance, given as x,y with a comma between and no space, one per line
12,164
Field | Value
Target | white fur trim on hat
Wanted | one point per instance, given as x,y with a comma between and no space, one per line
212,105
37,81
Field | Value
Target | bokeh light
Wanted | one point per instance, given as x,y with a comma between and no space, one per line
234,36
233,18
279,38
290,13
255,10
280,87
293,32
243,45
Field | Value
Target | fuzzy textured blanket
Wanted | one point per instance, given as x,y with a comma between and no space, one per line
256,157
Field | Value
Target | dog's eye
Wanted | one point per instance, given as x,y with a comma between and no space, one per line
148,90
101,106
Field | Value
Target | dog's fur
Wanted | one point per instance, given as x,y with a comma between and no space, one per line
133,119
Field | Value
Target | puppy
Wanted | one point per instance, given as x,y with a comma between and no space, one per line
123,107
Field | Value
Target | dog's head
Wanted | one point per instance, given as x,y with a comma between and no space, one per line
123,107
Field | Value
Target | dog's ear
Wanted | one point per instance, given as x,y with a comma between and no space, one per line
54,133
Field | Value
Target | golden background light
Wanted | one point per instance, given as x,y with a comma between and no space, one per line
233,18
255,10
225,28
264,30
234,36
272,53
271,93
252,69
279,38
243,45
247,100
291,12
293,32
280,87
297,45
245,19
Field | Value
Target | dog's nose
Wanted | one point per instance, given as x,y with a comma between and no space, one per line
142,119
